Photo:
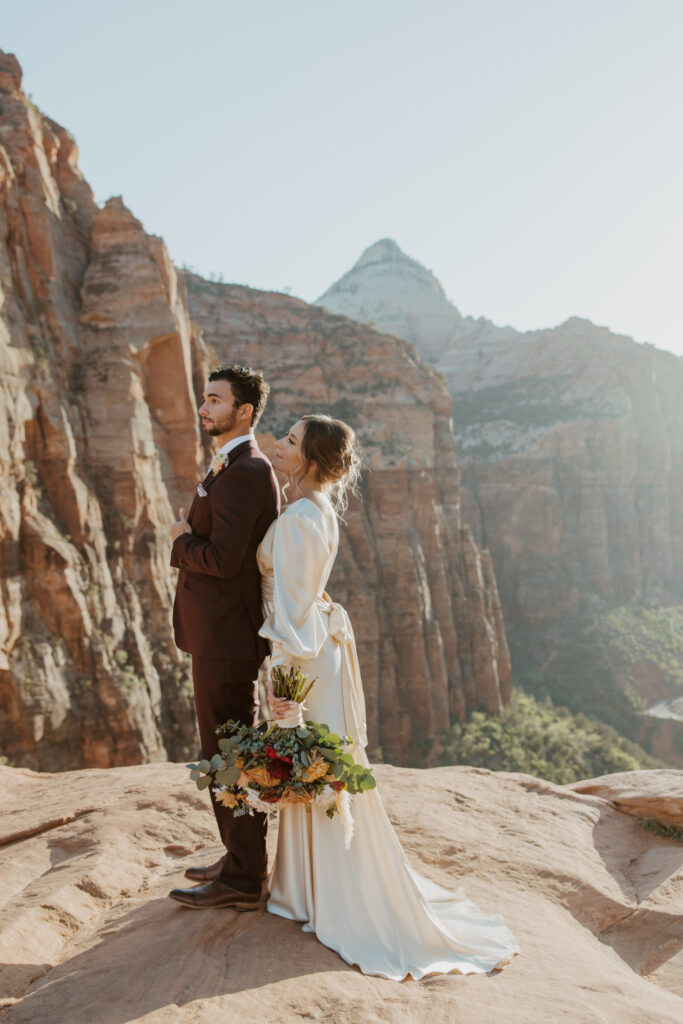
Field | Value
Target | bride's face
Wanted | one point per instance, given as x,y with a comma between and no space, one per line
287,458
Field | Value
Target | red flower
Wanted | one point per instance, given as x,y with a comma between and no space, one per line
280,767
269,796
338,785
272,752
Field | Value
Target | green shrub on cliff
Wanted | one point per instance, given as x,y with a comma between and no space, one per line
648,635
543,740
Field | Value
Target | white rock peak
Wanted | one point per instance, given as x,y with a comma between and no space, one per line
384,251
396,294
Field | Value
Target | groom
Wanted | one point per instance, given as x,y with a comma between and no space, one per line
217,612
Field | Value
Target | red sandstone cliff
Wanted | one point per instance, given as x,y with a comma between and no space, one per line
94,339
101,368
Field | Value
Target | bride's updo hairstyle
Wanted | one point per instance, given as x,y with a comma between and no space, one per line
332,445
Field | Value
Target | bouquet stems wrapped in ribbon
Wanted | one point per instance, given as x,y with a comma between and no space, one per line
285,762
292,685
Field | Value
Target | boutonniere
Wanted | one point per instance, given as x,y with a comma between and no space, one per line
219,462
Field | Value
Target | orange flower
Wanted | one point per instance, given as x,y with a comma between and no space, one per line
259,775
295,798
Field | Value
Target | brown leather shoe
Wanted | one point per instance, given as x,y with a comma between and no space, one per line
205,874
211,871
216,894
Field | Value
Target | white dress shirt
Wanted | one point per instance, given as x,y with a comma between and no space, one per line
215,467
234,441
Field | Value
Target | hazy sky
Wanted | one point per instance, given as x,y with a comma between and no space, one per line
528,151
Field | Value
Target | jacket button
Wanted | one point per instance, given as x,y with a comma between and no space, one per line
183,564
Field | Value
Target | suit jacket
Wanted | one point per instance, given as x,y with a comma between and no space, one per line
217,609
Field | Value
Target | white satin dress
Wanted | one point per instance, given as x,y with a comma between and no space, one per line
365,902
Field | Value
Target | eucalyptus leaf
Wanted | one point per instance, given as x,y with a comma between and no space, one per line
195,774
228,776
216,762
204,765
205,781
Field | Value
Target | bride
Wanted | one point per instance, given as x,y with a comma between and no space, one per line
365,902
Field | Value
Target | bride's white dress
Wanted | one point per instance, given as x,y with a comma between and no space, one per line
365,902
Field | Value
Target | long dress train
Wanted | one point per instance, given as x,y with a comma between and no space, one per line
365,902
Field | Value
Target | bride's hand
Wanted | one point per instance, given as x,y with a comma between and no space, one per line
280,706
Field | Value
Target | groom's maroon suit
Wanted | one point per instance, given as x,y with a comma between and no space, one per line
217,616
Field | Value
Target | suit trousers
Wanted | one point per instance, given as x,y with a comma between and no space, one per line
223,689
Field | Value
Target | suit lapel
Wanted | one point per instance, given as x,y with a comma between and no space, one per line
246,446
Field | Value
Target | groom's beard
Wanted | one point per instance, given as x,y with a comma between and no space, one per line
215,427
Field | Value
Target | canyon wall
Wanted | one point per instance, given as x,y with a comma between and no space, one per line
570,442
94,338
102,367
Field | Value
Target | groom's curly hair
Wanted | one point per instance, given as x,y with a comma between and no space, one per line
247,386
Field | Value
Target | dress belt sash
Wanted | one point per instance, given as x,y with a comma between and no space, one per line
353,700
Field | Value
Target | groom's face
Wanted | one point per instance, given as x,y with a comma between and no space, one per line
218,411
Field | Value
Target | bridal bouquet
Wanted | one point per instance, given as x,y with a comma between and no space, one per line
277,764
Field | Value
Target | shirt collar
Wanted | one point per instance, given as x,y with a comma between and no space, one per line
234,441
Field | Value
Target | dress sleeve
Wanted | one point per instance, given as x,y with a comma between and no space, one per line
296,626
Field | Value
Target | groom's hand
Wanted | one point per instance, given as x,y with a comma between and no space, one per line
182,526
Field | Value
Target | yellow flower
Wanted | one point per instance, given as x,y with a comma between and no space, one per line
227,799
316,769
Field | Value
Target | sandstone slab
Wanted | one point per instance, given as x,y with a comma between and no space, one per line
87,932
655,795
